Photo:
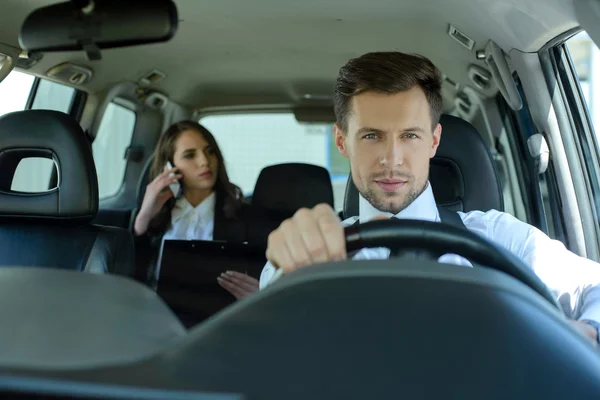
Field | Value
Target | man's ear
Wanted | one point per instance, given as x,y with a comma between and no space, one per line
437,136
340,140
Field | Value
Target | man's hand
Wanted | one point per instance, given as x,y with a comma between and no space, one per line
587,330
239,285
309,237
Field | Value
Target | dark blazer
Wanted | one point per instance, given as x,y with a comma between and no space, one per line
248,225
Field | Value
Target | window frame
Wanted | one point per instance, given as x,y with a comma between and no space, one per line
528,181
127,105
576,131
32,93
548,218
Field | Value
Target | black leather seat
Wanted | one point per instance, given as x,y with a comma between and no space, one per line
462,174
52,229
285,188
141,191
371,330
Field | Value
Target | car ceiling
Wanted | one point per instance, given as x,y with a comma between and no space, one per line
236,52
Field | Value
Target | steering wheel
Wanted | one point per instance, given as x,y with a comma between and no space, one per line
433,239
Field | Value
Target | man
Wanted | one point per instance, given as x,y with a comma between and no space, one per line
388,107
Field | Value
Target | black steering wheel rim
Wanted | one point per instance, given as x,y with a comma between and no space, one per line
438,239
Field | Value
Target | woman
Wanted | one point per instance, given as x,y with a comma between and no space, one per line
207,207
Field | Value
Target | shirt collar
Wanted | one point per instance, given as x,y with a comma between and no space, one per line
422,208
205,210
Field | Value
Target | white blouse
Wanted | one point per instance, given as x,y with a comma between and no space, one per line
192,223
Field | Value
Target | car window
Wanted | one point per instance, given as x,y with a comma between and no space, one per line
53,96
109,146
250,142
14,92
577,70
33,174
586,60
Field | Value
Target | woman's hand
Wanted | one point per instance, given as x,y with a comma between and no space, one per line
157,194
239,285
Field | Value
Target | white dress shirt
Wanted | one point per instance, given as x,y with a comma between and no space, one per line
192,223
561,270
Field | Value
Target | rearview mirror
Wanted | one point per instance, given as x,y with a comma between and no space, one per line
91,25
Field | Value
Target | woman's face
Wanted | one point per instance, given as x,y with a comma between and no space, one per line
196,160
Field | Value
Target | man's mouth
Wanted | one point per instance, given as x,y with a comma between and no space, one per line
390,185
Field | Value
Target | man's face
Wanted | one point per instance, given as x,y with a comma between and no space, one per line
389,142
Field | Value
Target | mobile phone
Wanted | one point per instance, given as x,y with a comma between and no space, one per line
175,186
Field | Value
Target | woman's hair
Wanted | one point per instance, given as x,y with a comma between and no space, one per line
229,196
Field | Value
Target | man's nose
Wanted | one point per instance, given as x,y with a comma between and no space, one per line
394,154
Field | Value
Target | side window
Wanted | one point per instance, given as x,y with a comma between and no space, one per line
33,174
586,60
53,96
250,142
576,65
109,146
14,92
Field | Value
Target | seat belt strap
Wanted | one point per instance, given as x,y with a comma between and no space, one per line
451,218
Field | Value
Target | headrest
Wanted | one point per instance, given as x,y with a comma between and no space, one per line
289,187
462,174
57,136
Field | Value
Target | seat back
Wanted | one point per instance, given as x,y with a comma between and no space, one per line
374,329
289,187
52,229
81,321
283,189
144,180
462,174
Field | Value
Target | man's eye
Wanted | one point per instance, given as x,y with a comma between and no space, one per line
370,136
411,136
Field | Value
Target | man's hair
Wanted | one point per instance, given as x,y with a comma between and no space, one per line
387,72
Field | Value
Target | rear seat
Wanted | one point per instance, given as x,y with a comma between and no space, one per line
283,189
143,181
279,192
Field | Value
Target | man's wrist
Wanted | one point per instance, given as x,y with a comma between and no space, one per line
595,325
